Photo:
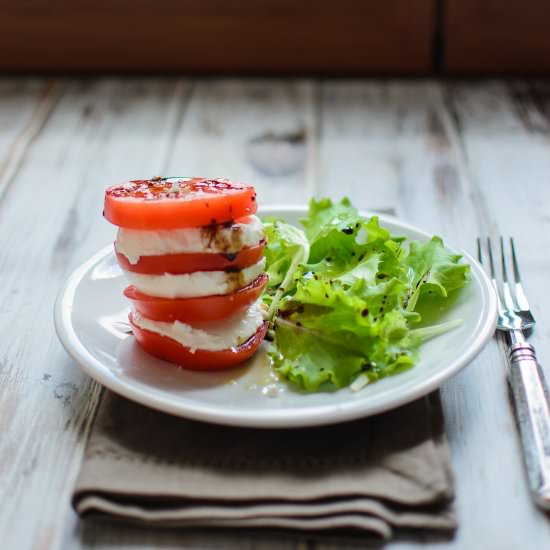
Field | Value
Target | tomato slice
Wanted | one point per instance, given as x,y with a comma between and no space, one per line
196,310
170,350
169,203
177,264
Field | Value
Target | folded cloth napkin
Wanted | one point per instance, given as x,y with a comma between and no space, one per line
374,475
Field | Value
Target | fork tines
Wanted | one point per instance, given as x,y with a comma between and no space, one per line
509,301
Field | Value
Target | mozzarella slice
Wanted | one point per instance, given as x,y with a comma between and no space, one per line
211,336
198,283
224,239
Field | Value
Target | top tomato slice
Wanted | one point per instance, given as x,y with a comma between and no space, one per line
169,203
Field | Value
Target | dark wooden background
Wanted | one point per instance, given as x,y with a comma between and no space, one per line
276,36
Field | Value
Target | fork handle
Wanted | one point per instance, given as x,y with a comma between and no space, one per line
533,417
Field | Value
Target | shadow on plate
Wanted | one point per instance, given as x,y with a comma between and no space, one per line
142,367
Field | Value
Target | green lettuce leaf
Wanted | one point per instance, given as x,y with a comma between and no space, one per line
287,247
343,297
432,269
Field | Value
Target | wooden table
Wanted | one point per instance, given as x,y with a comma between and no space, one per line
459,159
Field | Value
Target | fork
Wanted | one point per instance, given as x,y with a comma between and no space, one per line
529,389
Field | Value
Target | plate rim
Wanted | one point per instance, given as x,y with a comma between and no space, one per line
275,418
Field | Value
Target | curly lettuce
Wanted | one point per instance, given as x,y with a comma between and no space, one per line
345,296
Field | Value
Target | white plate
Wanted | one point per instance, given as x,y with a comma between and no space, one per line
90,307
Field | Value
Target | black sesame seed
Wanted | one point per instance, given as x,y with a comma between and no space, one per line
365,312
347,230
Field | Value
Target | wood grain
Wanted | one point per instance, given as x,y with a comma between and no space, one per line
255,130
459,159
26,105
263,36
100,132
49,222
498,157
496,37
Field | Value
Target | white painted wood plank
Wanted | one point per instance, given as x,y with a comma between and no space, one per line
439,158
100,132
49,222
508,168
385,146
25,105
258,131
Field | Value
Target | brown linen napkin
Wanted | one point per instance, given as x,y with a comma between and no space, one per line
373,475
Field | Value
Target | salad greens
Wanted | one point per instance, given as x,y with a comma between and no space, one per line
344,296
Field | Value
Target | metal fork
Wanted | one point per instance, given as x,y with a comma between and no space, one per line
525,375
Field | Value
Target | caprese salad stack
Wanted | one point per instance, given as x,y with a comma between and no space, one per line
192,251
